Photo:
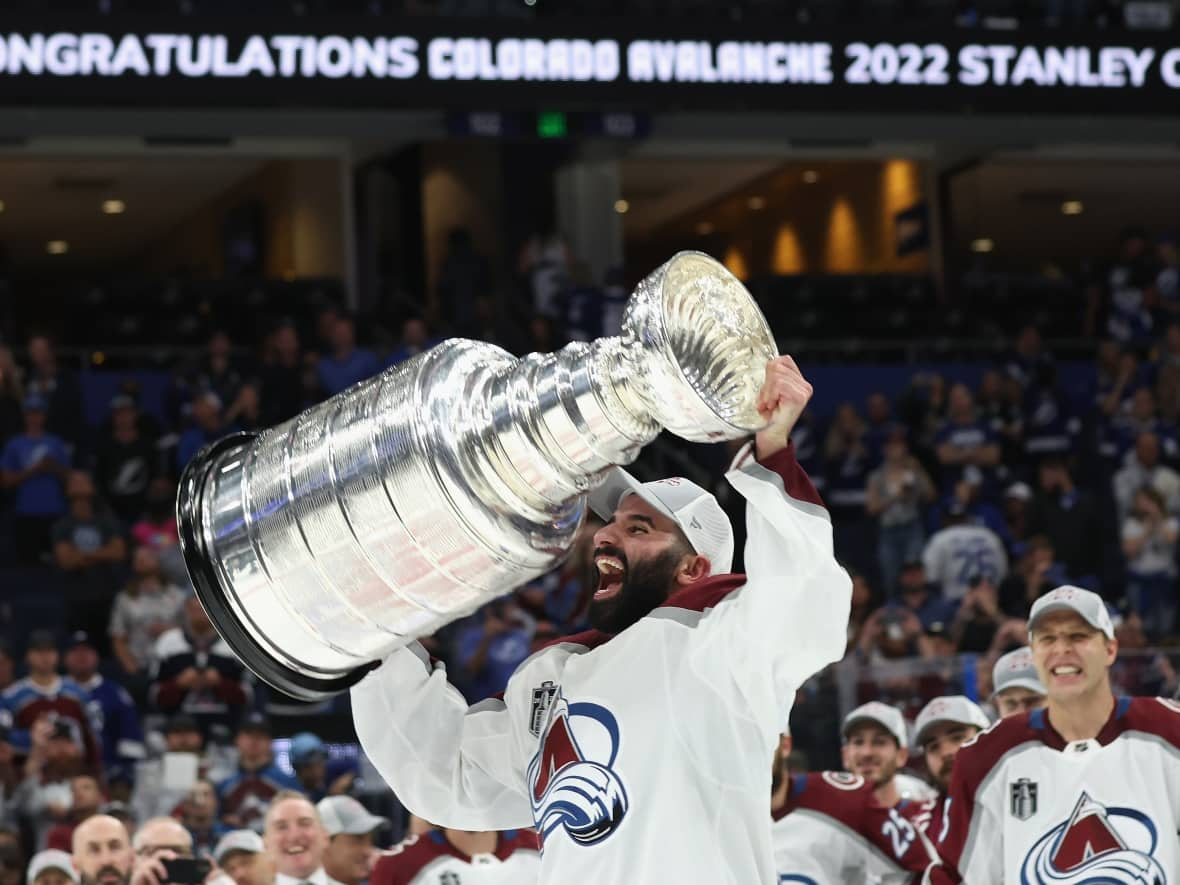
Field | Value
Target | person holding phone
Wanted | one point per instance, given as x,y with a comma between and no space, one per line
164,855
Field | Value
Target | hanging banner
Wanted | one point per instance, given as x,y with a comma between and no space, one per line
464,64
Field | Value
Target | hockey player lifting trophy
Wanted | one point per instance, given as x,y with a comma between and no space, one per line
406,502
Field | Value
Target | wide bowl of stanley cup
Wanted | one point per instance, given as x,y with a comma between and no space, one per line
407,501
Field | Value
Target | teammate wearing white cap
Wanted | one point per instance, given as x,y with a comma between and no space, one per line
876,748
1087,789
639,750
350,827
1016,688
942,727
830,828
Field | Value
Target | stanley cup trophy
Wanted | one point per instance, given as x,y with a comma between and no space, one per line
407,501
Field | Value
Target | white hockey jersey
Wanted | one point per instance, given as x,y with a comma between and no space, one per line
430,859
954,555
645,758
832,831
1026,807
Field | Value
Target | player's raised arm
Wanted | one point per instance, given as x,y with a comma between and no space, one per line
449,763
791,617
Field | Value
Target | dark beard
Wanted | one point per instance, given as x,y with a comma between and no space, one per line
93,880
778,771
646,586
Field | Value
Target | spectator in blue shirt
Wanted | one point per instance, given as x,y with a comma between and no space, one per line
918,596
34,464
347,364
59,388
964,441
113,716
208,426
491,648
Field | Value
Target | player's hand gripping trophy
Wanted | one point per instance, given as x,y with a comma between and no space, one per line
322,544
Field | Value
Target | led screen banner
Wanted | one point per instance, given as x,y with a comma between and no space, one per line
464,64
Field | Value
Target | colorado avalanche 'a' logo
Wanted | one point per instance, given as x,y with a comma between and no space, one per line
1096,846
571,780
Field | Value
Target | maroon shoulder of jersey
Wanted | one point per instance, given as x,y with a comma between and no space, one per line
1155,716
402,864
839,795
517,840
796,482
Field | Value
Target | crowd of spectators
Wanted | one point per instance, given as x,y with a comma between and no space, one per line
956,504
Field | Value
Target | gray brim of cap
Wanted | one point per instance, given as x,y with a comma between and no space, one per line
1063,607
604,499
367,825
1030,684
921,735
873,720
235,849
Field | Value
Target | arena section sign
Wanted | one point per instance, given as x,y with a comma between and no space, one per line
415,64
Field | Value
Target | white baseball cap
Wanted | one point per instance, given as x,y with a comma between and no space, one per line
1016,670
343,814
889,718
237,840
950,708
684,502
1086,604
51,859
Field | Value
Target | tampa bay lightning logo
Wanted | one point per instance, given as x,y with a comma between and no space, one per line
1096,846
572,783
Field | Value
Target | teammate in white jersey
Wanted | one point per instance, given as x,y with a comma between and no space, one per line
1016,687
1086,790
639,749
830,829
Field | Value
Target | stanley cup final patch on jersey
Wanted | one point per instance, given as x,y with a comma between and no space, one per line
543,696
1023,798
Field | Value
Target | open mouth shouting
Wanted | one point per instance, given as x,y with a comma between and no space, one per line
611,563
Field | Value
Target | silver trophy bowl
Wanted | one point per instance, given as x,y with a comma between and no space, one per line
319,546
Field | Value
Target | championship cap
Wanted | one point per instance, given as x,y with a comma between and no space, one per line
51,859
684,502
343,814
889,718
950,708
237,840
1086,604
1016,670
